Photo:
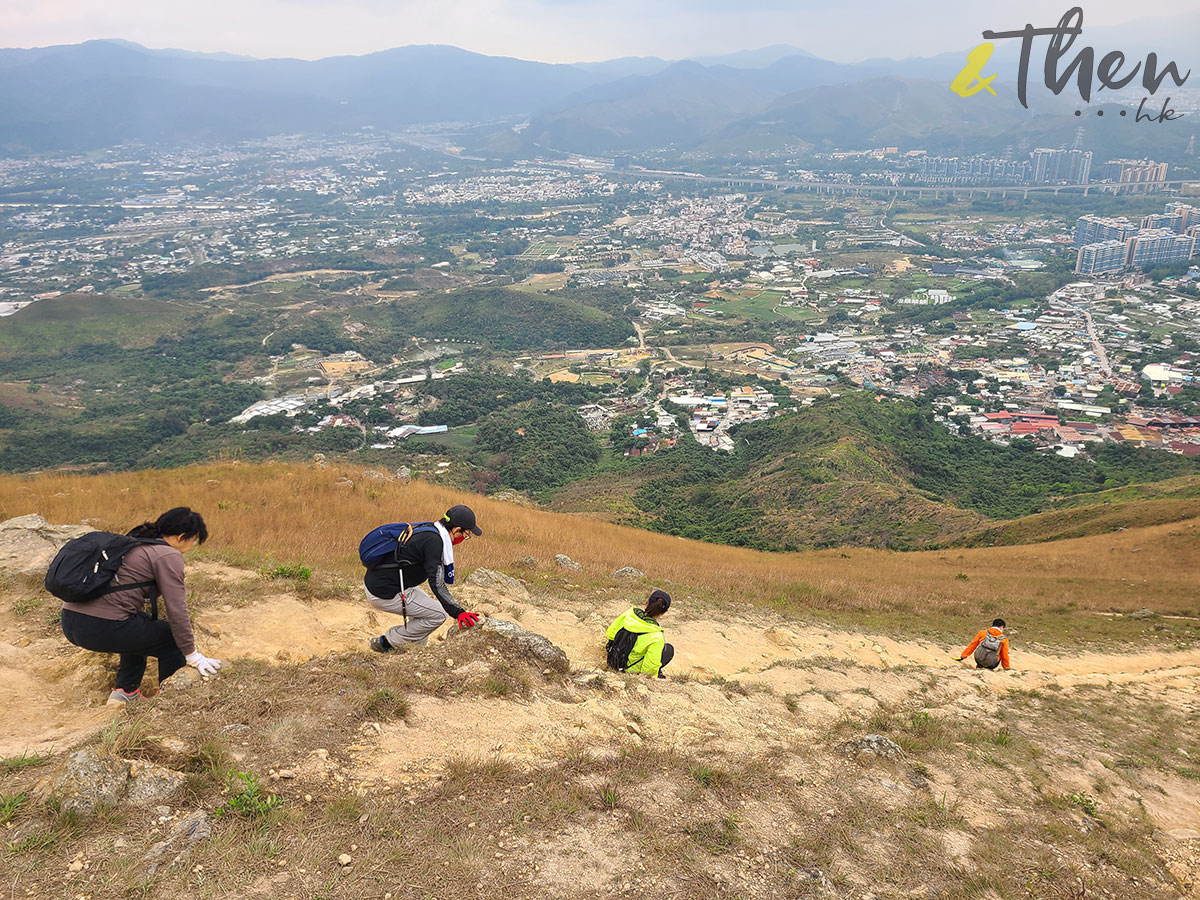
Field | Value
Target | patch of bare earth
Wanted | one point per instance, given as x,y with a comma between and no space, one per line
468,769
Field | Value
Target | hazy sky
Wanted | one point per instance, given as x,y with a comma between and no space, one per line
549,30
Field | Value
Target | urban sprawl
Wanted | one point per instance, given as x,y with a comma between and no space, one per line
745,302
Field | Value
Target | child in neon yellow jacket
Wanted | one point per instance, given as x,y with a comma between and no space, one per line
639,631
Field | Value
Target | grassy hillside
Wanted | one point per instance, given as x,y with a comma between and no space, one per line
281,513
51,327
778,758
1133,506
855,471
501,318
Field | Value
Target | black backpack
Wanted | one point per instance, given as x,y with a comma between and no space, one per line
85,566
619,649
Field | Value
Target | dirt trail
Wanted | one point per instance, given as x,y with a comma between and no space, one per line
53,694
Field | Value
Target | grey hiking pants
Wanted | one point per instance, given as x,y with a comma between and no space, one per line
424,616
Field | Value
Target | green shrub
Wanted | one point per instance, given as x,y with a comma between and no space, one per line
287,570
249,800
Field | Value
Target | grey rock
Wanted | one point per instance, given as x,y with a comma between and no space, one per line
169,747
871,745
1142,613
151,784
374,475
343,483
404,474
28,543
545,652
526,562
182,680
319,460
89,780
816,883
496,581
178,845
85,782
566,562
628,572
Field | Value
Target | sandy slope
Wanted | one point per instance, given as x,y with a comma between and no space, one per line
756,687
52,693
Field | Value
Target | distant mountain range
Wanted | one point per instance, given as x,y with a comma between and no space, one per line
102,93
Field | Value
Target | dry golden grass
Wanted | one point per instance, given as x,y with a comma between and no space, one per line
287,513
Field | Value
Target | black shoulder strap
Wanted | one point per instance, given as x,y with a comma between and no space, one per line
114,588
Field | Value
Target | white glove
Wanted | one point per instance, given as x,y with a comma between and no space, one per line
202,664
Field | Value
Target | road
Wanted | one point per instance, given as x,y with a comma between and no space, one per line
679,362
1101,354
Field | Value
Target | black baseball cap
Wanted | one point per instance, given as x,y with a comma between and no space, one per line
462,517
659,594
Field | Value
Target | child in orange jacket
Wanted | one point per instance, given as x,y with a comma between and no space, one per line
990,647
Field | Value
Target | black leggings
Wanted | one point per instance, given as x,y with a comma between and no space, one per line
668,654
134,638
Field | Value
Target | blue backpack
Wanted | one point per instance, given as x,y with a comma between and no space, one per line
381,547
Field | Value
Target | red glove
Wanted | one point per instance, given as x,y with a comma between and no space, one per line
467,619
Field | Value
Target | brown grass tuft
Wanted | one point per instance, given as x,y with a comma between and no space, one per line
290,515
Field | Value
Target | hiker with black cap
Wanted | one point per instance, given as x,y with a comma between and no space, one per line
400,557
635,640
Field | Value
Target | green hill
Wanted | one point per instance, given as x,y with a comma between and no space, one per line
1103,512
501,318
857,471
51,327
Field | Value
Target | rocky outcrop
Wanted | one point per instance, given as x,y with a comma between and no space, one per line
496,581
90,780
628,572
181,680
178,845
150,784
511,497
533,647
566,562
28,543
871,745
87,781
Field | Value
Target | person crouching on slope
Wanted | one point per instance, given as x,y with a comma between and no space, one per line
115,622
990,647
424,552
635,639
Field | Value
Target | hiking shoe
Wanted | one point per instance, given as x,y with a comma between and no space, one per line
382,645
120,696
